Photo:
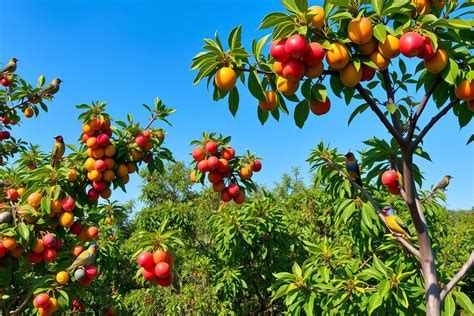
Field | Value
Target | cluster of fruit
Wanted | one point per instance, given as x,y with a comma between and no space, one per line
45,304
390,180
84,232
224,168
44,249
157,267
77,306
84,275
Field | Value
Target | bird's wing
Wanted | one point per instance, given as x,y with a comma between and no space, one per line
400,223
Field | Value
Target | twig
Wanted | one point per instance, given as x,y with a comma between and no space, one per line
23,305
464,269
391,100
433,121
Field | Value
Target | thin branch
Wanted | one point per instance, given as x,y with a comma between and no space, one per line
23,305
391,99
464,269
433,121
401,240
379,113
263,72
422,106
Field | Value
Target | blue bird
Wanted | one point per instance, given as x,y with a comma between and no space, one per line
352,168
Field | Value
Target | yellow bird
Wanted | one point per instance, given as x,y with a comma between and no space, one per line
58,151
10,67
51,88
394,222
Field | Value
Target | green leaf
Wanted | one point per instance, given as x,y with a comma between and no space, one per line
449,305
262,115
274,19
377,5
233,101
451,72
374,302
464,301
380,32
41,81
235,37
392,107
296,6
361,108
24,231
255,87
301,113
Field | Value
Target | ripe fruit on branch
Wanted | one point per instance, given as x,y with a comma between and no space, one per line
337,56
293,69
427,50
225,78
314,54
287,87
360,30
367,73
320,107
295,46
465,90
271,101
211,147
314,71
390,47
350,76
379,60
389,178
278,51
411,44
145,260
318,19
436,63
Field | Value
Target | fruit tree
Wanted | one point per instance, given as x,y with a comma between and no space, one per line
394,58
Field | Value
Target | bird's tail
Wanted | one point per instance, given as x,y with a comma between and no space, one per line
359,182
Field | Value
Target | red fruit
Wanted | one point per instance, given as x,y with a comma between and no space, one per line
49,240
411,44
239,198
145,260
49,254
367,73
103,140
314,54
6,135
278,51
162,269
85,282
100,165
5,120
257,166
68,204
295,46
92,232
148,273
198,154
389,178
211,147
93,194
41,300
167,280
320,107
3,250
203,166
394,189
159,256
214,177
91,271
58,244
234,189
219,186
75,303
223,165
77,250
213,162
5,82
85,137
13,194
99,185
228,153
293,69
34,258
107,132
427,50
141,141
225,196
75,228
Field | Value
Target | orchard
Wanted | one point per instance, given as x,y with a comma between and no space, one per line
367,235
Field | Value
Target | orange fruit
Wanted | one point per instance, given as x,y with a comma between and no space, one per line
470,105
465,90
72,175
389,48
225,78
106,193
287,87
53,303
98,152
9,243
245,173
38,246
378,59
89,165
55,206
16,253
367,48
92,142
422,6
360,30
104,124
350,76
29,112
86,129
89,152
94,175
66,219
21,191
110,151
337,56
95,124
271,103
83,235
122,171
436,63
314,71
34,199
131,167
62,277
318,20
110,162
108,175
278,68
136,154
125,179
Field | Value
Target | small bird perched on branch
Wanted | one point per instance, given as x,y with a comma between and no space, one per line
58,151
10,67
352,168
85,258
51,88
394,222
443,184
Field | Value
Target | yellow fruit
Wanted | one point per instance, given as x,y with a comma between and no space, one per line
98,152
108,220
436,63
271,101
314,71
92,142
9,243
389,48
53,304
55,206
378,59
66,219
62,277
350,76
110,151
318,20
337,56
108,175
287,87
225,78
367,48
94,175
34,199
89,165
122,171
131,167
38,246
245,173
360,30
29,112
72,175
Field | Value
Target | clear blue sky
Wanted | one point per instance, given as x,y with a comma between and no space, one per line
126,53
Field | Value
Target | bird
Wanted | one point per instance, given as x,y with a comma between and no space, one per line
58,151
443,184
51,88
394,222
352,168
10,67
85,258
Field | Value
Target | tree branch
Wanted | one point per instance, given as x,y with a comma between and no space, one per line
401,240
23,305
464,269
422,106
379,113
433,121
391,99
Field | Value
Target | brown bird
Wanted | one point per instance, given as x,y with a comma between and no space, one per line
10,67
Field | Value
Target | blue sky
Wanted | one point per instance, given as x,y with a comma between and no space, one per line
129,52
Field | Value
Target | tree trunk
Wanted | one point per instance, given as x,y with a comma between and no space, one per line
432,291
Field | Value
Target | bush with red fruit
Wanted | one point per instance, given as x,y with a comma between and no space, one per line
230,175
157,267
